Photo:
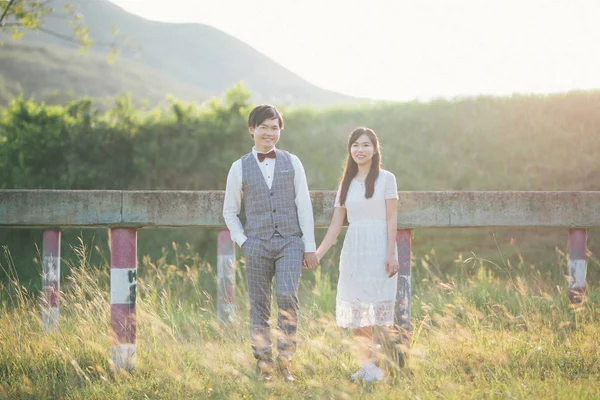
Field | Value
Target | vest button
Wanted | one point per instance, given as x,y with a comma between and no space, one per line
275,226
274,210
271,193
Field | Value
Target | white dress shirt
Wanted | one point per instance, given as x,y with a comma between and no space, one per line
233,199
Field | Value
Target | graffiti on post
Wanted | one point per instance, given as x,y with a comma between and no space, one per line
132,277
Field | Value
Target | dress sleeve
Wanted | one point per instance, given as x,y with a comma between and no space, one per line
337,198
391,189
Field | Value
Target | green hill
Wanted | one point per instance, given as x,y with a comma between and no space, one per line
55,75
193,54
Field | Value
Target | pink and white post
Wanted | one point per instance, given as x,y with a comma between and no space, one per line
123,294
226,276
577,264
402,313
50,278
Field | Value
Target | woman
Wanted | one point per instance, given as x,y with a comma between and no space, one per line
369,262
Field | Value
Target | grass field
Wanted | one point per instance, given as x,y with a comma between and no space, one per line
486,330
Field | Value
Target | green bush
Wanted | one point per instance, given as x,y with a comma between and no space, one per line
536,142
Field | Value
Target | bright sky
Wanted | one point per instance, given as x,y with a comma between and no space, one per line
411,49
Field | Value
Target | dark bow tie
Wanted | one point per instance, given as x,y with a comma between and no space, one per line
262,156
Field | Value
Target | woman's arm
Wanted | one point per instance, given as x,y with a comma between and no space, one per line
391,213
335,227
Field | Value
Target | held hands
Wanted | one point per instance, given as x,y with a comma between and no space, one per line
391,265
310,261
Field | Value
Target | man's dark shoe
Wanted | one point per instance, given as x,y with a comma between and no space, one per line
283,367
264,370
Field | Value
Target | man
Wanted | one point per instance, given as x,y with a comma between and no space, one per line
277,237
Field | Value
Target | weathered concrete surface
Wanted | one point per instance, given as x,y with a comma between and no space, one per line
469,209
55,208
64,208
173,208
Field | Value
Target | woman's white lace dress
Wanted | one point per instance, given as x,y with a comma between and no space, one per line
365,294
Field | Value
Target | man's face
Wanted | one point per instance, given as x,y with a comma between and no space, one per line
266,134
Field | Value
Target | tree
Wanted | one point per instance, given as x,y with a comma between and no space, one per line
19,16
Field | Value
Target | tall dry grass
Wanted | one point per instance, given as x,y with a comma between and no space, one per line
488,330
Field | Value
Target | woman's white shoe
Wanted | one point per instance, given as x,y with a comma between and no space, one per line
358,375
372,373
368,373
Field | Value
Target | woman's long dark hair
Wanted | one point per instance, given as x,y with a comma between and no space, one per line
351,167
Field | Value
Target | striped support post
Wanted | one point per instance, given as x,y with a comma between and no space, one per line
226,275
50,278
123,290
577,264
402,313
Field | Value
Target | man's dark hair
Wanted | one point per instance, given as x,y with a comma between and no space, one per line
264,112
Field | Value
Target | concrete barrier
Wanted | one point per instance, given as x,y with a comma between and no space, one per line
92,208
124,212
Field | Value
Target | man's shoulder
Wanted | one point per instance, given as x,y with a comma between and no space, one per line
244,157
285,152
239,162
292,157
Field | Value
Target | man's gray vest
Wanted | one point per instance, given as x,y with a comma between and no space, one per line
268,211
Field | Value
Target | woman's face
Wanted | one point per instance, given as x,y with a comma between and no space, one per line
362,150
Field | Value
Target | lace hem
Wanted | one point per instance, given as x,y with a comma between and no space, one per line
358,315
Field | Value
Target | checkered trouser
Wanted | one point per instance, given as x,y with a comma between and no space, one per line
279,257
